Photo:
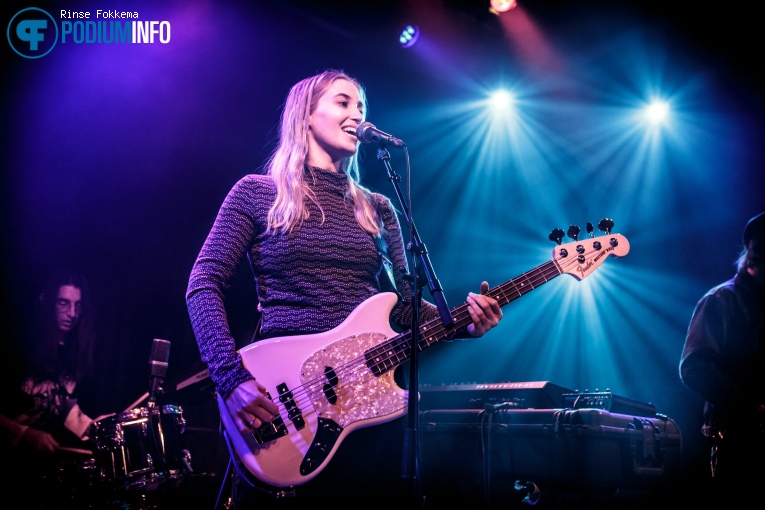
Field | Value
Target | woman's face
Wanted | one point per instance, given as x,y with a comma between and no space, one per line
332,125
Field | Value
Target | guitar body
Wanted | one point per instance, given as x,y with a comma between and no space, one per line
356,399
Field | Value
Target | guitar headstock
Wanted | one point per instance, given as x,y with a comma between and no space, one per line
581,257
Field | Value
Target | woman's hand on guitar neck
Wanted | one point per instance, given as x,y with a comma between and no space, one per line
249,406
484,310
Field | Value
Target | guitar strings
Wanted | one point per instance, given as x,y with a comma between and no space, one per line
388,355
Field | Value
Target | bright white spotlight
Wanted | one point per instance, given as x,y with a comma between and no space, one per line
409,36
501,100
657,112
498,6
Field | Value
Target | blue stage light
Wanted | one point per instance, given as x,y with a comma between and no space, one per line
409,36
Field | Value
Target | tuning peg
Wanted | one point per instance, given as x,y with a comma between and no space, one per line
590,229
606,225
556,236
573,232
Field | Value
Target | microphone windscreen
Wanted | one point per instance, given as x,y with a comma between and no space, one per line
160,355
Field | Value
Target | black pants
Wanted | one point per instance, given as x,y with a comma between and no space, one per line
366,469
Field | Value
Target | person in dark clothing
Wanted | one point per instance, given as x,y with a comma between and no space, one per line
723,360
45,433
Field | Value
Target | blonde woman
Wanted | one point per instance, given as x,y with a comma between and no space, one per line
311,232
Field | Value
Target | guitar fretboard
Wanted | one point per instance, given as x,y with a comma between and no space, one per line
392,353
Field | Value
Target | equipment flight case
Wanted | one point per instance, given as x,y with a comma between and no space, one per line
490,454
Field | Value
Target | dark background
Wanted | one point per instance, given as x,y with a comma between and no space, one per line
117,157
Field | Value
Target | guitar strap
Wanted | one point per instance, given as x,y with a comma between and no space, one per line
256,332
385,279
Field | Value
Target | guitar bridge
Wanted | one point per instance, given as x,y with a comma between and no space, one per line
270,430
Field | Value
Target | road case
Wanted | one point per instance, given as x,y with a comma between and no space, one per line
477,453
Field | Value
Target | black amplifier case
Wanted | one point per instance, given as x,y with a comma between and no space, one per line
478,455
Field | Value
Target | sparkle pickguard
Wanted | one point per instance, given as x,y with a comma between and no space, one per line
360,394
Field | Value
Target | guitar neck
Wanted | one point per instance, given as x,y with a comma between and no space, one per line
433,331
578,259
392,353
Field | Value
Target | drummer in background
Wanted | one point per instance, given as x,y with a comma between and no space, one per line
40,416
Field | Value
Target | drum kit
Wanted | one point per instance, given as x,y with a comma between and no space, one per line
138,459
138,455
142,448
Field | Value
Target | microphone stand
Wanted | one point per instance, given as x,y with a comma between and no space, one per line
411,467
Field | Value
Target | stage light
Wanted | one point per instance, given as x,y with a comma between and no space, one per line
500,6
409,36
501,100
657,112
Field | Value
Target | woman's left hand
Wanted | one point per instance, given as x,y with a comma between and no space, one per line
484,310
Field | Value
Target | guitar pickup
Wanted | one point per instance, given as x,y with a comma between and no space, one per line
293,411
329,388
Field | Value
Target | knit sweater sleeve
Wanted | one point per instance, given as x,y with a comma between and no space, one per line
223,250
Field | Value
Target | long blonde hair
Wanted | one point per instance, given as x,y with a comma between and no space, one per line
287,164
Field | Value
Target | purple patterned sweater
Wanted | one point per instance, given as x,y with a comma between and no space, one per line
307,281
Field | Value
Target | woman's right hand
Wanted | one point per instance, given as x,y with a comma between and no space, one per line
249,406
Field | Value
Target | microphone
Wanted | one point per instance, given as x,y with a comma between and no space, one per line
158,362
368,133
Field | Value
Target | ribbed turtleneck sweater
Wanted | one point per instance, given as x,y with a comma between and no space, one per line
308,280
